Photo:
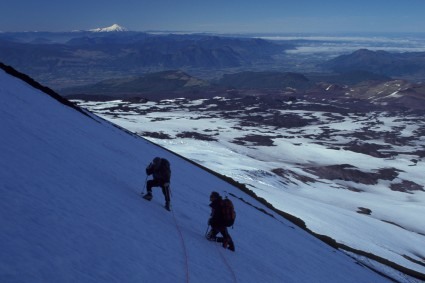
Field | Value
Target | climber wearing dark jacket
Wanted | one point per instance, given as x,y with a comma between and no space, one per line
159,168
217,224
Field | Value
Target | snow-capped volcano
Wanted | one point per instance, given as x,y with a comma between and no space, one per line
113,28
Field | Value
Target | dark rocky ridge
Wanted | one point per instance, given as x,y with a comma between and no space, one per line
380,62
366,92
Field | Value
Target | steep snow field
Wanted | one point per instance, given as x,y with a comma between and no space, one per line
70,210
395,229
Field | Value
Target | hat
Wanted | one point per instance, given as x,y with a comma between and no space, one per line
214,194
156,162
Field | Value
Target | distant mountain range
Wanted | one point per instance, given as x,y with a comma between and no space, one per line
380,62
69,59
76,58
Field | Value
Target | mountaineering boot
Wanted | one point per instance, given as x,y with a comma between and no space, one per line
210,237
225,243
167,206
148,196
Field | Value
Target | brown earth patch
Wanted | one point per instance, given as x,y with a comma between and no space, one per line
255,140
156,135
406,187
351,173
195,135
364,210
284,173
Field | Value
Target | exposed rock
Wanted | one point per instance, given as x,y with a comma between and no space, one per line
347,172
363,210
406,187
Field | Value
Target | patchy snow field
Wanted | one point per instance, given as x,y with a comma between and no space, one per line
356,177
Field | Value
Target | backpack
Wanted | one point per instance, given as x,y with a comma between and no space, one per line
228,212
165,170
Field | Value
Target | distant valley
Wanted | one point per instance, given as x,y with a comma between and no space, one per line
80,58
69,59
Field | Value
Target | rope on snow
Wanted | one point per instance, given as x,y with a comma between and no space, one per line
184,246
227,263
224,259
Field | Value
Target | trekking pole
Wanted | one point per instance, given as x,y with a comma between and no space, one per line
146,180
144,185
206,232
169,190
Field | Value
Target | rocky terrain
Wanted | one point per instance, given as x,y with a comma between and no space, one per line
362,91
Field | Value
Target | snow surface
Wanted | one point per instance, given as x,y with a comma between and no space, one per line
394,230
70,210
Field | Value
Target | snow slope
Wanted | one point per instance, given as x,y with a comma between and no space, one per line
394,229
70,210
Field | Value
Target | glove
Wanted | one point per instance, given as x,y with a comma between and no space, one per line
166,185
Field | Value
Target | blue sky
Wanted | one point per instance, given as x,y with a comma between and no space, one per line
216,16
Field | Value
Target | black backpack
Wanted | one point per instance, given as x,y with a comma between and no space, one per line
165,169
228,212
